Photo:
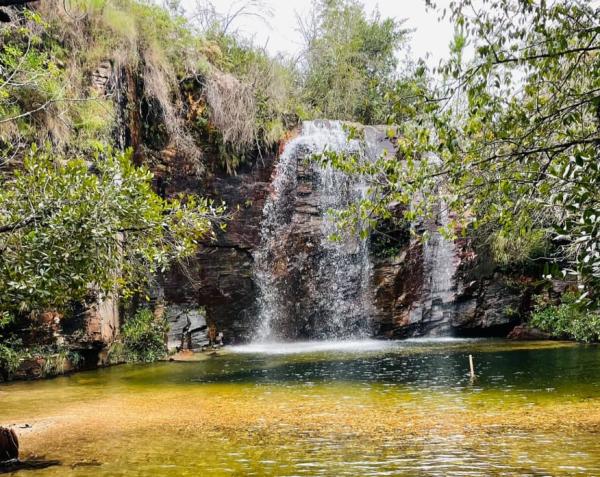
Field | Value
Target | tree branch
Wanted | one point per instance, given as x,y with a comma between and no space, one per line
499,61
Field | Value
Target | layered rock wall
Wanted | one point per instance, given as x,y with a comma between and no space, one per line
220,278
408,298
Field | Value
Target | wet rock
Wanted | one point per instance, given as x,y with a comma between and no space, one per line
397,283
492,310
479,303
18,465
407,297
187,328
220,278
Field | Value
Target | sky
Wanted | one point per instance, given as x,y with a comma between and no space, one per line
280,34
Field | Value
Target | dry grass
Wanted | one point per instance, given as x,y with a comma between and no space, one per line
232,108
159,83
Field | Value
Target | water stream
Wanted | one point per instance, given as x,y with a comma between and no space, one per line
311,287
440,264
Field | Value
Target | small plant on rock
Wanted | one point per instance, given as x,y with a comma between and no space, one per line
144,337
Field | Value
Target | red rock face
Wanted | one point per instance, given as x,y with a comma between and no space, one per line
220,277
398,283
101,323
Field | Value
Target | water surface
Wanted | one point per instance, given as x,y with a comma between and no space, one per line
324,408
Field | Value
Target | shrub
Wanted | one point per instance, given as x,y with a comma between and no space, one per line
143,337
350,61
569,319
233,111
518,248
10,359
60,224
56,359
252,99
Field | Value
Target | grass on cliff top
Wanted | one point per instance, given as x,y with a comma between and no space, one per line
51,89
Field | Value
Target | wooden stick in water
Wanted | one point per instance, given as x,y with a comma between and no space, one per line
471,366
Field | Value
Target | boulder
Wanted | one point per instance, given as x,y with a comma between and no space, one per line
9,445
526,333
187,327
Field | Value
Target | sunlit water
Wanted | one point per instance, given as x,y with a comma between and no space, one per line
322,408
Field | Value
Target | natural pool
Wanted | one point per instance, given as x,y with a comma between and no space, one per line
361,408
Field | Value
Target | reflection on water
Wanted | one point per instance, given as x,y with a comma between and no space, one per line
323,408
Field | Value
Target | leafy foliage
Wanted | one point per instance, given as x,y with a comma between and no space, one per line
40,97
10,358
389,236
56,359
350,61
143,337
569,319
508,142
67,229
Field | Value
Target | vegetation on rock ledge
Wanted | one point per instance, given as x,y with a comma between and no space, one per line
143,337
69,227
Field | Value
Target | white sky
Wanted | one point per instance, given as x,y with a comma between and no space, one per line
280,35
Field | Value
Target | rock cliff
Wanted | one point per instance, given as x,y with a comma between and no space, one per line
416,289
220,278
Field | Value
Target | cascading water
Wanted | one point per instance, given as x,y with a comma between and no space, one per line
310,286
440,265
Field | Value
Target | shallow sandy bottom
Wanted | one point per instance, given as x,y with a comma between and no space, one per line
188,419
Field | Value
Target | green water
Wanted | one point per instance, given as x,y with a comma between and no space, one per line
363,408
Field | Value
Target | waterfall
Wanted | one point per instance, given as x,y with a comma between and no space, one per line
308,285
440,266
